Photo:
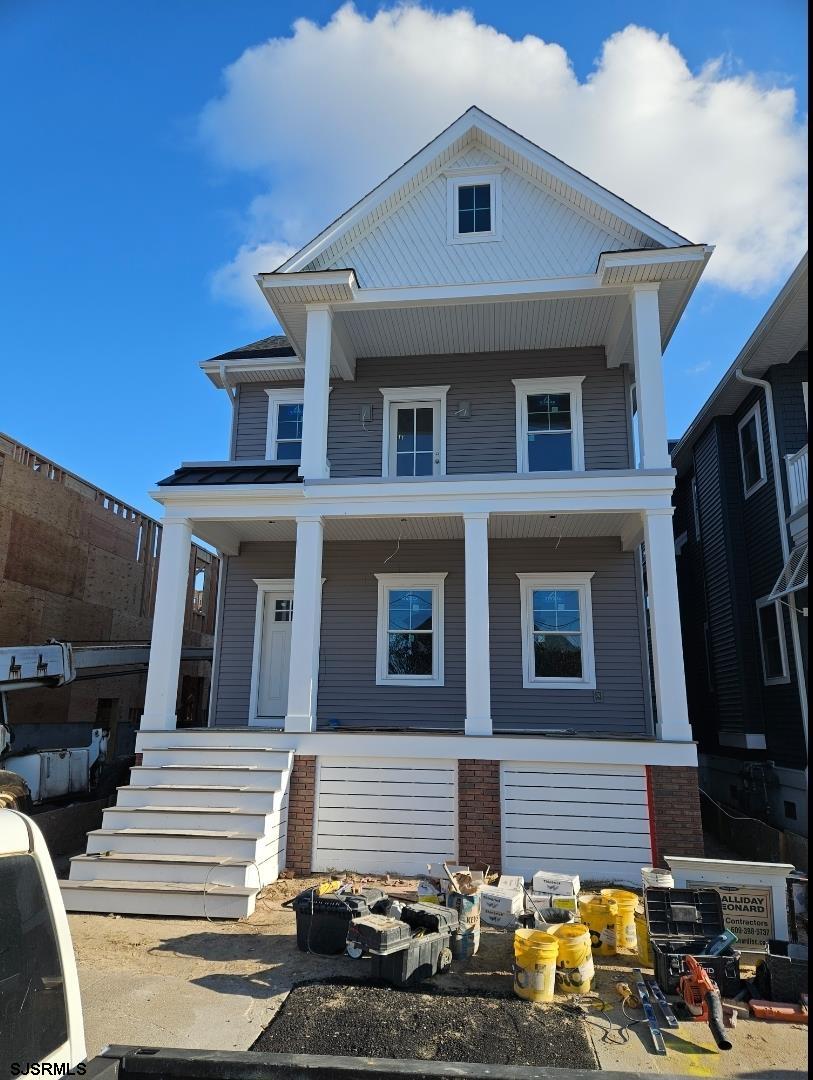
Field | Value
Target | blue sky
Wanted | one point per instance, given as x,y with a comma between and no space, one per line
121,207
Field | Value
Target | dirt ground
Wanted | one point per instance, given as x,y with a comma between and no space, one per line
218,985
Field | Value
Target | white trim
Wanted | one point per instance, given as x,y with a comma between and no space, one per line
276,398
572,385
455,179
776,680
393,395
579,581
754,413
433,582
264,586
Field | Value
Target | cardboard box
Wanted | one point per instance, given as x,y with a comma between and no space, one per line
499,907
545,900
512,883
545,881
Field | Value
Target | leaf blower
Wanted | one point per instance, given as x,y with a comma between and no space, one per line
702,997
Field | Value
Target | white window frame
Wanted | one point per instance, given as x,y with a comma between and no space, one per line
276,398
433,582
406,395
776,680
264,586
457,178
754,413
580,582
572,385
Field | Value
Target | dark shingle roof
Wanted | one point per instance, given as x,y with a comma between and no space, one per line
233,474
276,345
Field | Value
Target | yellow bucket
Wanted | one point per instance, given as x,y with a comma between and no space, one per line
645,955
625,938
574,964
535,964
599,915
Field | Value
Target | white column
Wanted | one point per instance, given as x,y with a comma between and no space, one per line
478,655
303,677
167,626
646,345
664,624
313,464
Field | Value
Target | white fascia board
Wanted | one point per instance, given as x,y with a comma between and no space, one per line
474,120
491,291
616,260
237,368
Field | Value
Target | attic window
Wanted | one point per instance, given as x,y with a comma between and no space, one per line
473,207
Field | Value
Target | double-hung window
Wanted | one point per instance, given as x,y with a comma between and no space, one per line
549,425
410,629
772,642
752,453
557,631
414,431
285,410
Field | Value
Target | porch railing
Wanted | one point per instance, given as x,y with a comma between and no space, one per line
796,465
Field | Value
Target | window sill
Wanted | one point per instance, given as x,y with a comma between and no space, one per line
558,684
407,681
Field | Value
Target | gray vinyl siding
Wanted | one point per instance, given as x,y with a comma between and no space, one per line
348,694
485,443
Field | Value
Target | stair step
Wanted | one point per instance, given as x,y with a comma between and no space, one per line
210,776
159,898
227,755
168,817
146,866
251,800
212,843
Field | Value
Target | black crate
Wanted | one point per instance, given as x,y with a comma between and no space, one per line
781,977
684,922
420,959
322,921
432,917
378,933
670,963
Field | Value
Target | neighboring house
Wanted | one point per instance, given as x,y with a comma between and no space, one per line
741,543
79,565
432,638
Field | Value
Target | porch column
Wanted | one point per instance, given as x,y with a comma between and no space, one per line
478,655
167,626
664,624
303,675
313,464
646,344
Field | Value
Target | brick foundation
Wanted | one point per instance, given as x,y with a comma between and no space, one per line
301,801
478,797
674,804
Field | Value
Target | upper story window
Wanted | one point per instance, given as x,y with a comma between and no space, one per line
410,629
557,631
474,207
752,453
285,410
772,642
414,431
549,425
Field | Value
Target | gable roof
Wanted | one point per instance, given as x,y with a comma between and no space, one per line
276,345
584,194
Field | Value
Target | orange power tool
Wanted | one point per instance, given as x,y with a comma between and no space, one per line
702,997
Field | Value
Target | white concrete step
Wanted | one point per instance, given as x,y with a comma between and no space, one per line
219,738
184,817
187,869
210,775
179,841
233,798
159,898
206,755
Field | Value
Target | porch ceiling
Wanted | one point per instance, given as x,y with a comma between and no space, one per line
500,527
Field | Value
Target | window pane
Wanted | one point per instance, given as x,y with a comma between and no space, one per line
424,429
465,221
423,464
552,452
548,412
291,414
750,453
482,196
465,198
289,451
283,610
771,644
410,609
556,609
410,654
289,429
406,430
482,220
557,656
405,464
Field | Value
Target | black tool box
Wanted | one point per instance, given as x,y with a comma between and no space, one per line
322,921
782,974
420,958
408,950
378,933
683,922
432,917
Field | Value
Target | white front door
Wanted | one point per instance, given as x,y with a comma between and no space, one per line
414,438
274,658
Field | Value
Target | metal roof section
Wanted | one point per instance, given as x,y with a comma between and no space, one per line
780,335
253,473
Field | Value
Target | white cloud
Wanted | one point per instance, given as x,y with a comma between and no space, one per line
323,115
698,369
235,282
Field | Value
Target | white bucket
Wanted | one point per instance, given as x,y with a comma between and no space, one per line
655,878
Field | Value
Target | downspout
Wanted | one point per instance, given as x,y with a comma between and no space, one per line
783,533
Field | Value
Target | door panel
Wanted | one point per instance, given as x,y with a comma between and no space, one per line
275,656
414,438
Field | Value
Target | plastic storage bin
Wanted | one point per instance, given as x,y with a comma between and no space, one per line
684,922
322,922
